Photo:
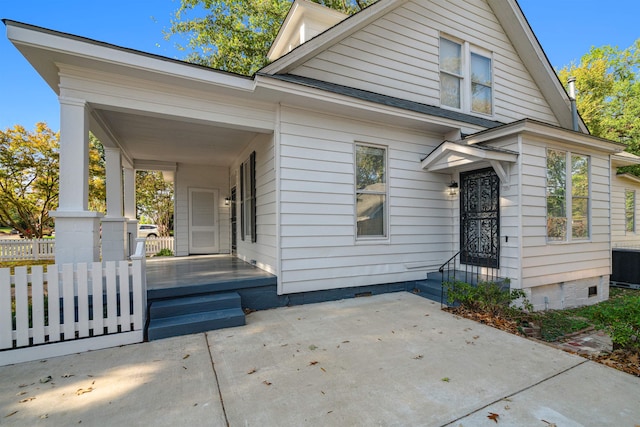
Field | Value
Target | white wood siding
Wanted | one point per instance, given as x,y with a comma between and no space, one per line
398,56
554,262
199,176
263,252
619,235
317,204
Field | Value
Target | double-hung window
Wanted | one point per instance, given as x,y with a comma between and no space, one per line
630,211
371,191
466,77
568,199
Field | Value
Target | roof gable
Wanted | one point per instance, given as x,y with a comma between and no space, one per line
391,48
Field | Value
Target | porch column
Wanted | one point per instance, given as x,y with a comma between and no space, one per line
77,228
114,224
130,207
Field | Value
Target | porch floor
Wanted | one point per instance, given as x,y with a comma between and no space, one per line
178,276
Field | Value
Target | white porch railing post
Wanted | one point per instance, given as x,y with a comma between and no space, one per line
139,273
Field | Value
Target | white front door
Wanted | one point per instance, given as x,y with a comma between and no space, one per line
203,221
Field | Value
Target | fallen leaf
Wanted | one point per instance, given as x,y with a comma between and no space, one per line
344,342
186,356
315,362
476,337
84,390
43,416
265,382
446,379
323,370
252,371
45,379
418,357
493,416
507,407
22,393
11,414
313,347
66,376
22,385
28,399
555,425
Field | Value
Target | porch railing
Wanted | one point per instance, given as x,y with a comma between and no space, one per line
38,249
455,269
26,249
71,308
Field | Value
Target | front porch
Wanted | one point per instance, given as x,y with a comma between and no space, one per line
170,277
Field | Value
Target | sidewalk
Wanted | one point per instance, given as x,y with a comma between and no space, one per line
393,359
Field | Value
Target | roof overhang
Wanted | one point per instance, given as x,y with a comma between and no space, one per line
547,131
624,159
629,177
451,156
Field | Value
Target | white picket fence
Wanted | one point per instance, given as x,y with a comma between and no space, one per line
26,249
156,244
71,308
36,249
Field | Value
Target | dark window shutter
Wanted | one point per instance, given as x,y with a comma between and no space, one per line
242,196
252,162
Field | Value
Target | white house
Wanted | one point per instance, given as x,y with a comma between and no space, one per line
341,153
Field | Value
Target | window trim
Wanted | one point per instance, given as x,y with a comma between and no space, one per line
633,211
466,96
568,187
385,228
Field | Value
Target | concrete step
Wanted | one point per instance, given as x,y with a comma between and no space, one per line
195,322
430,289
193,304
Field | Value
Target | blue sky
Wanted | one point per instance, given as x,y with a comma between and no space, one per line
567,29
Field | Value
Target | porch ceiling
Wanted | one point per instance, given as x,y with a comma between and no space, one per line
165,139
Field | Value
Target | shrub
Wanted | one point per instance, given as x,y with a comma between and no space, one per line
619,317
487,297
164,252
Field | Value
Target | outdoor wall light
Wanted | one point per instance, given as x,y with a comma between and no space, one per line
453,188
227,201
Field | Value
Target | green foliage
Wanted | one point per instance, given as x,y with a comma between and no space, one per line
154,198
619,317
556,324
28,178
164,252
235,35
608,93
486,297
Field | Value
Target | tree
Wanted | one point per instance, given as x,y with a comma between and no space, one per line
608,93
154,197
28,178
97,176
235,35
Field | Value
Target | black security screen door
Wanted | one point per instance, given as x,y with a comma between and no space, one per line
480,218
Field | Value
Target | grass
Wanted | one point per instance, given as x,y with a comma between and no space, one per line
26,263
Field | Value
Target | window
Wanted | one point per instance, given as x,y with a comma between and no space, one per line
248,198
371,191
466,77
630,211
567,197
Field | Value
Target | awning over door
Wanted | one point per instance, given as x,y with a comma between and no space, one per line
451,156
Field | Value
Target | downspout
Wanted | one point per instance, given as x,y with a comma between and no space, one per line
574,108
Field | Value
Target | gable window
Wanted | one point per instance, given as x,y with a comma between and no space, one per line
630,211
568,200
371,191
466,77
248,199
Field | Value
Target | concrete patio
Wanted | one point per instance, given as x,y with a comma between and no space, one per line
392,359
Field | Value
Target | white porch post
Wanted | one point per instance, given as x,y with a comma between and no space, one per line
114,224
130,207
77,228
